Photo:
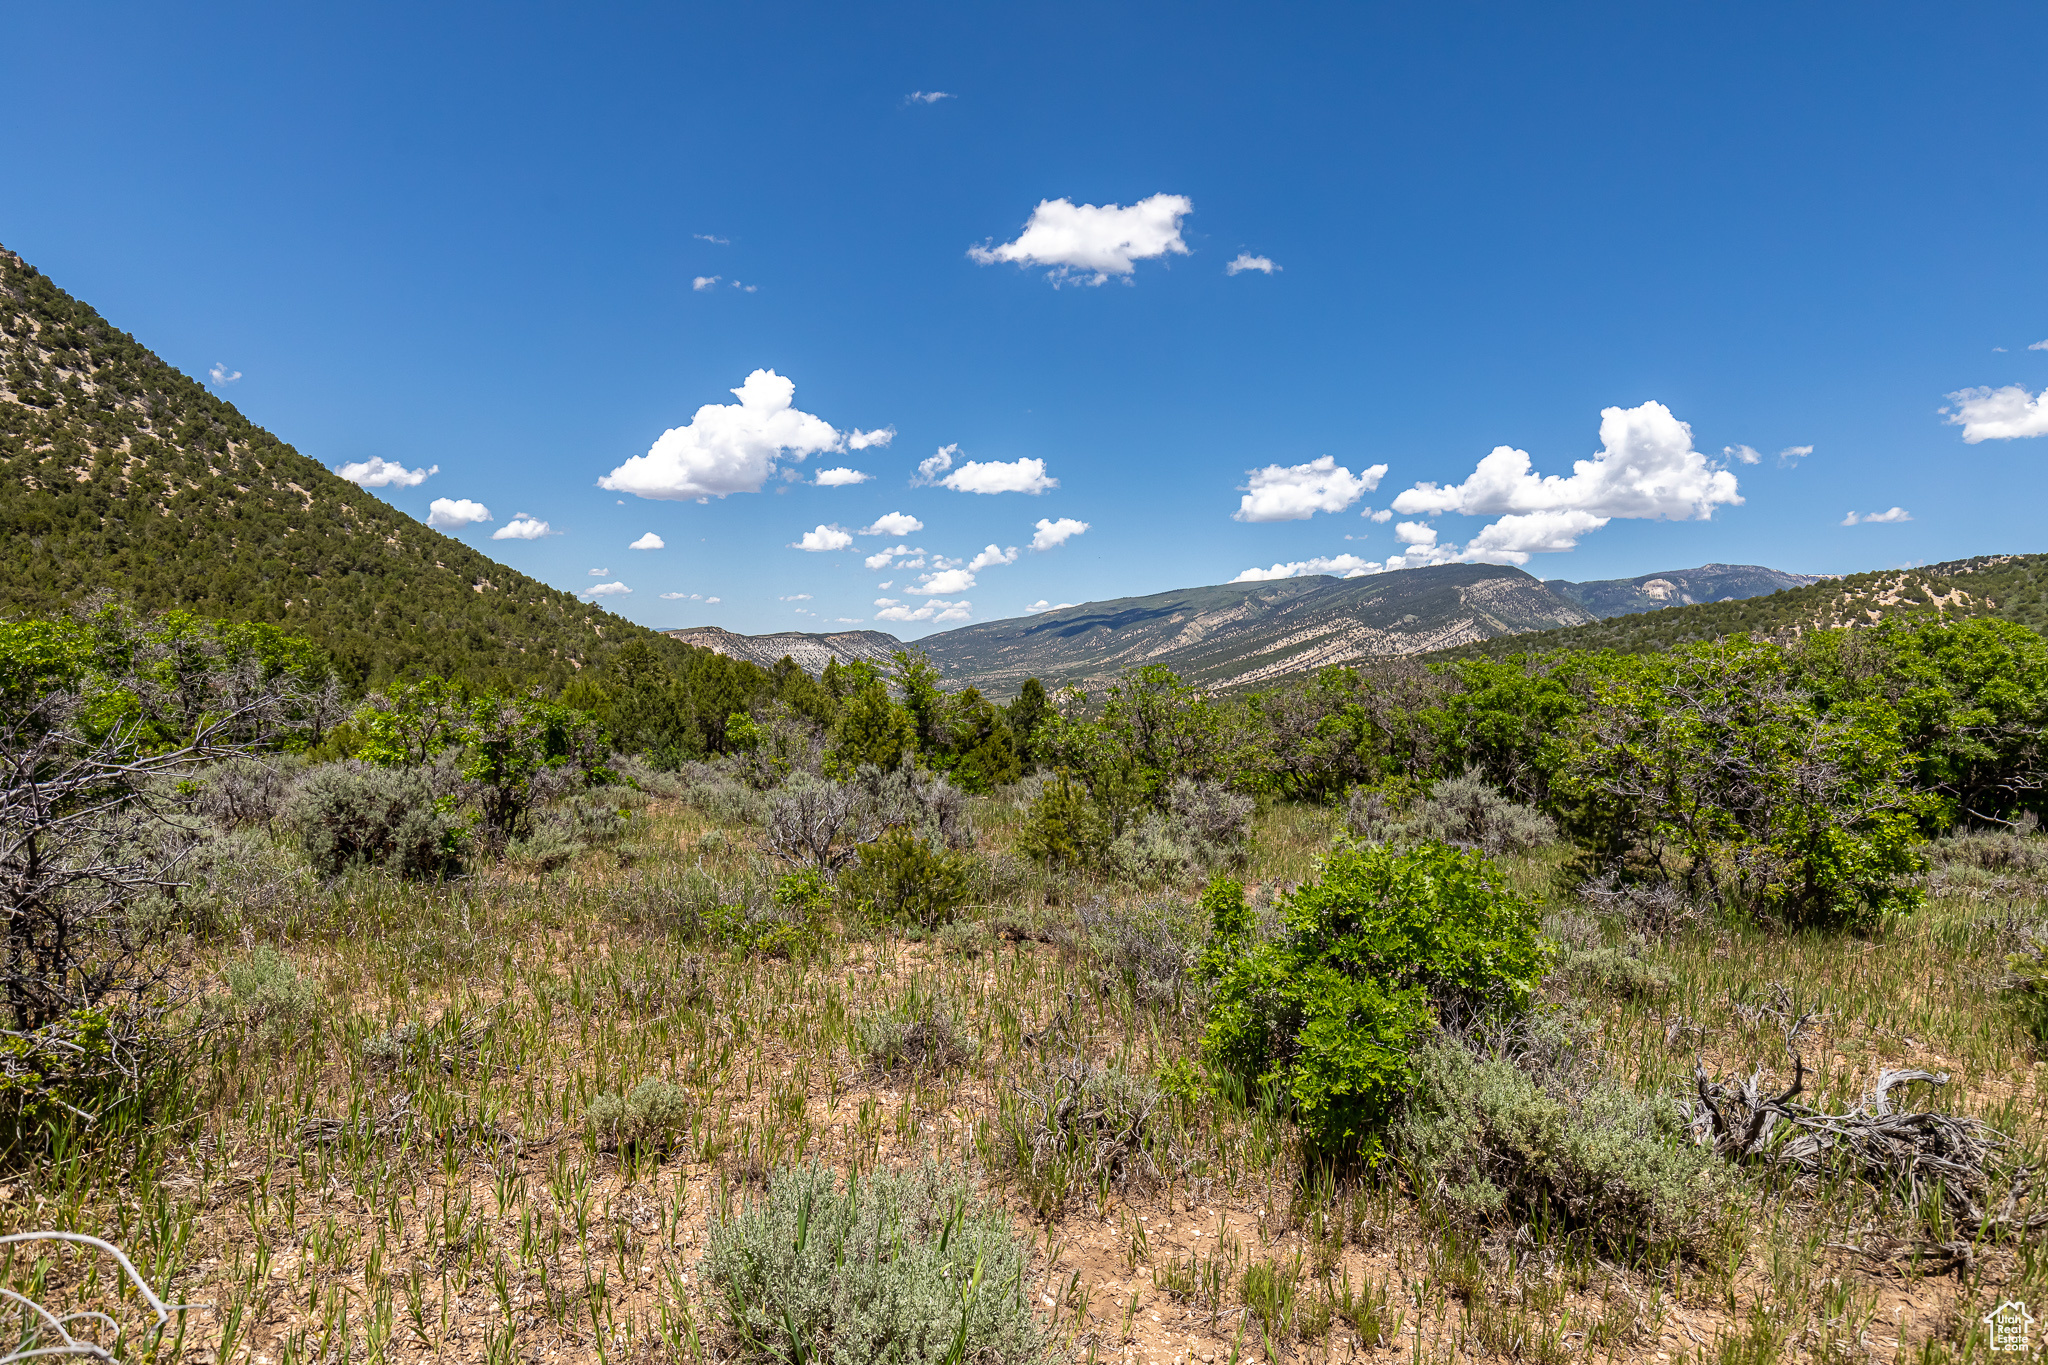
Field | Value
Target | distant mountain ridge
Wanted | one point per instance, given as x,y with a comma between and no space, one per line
810,650
1677,588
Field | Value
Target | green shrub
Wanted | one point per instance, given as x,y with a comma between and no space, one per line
902,879
1325,1017
267,997
653,1114
351,814
910,1268
1494,1143
1062,827
915,1037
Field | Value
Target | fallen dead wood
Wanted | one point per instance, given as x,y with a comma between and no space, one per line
1971,1168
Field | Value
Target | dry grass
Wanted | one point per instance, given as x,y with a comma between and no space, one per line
409,1176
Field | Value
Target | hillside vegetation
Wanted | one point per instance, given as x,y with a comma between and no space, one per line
2008,587
118,472
1685,1007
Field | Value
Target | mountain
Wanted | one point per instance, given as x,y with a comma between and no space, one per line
1677,587
810,651
2014,587
1243,633
117,471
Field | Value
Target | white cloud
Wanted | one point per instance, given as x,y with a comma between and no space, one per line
711,600
2005,414
840,477
378,472
704,282
715,241
607,590
746,288
942,582
824,538
893,524
934,611
222,375
990,557
998,476
861,440
1345,566
727,447
1105,240
451,514
2038,345
523,527
650,541
1051,533
1876,518
936,463
1246,261
1646,468
1042,605
1383,516
1743,454
1415,533
600,573
910,558
1296,492
928,96
1793,454
683,597
795,597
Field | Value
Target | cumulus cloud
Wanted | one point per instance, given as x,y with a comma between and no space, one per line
1042,605
1741,454
1094,241
683,597
934,611
1875,518
727,447
1646,468
822,539
1051,533
523,527
893,524
449,514
1344,566
1244,261
1296,492
861,440
1794,454
650,541
840,477
945,581
378,472
928,96
600,573
607,590
936,463
990,557
2005,414
2038,345
994,476
795,597
1383,516
222,375
909,558
704,282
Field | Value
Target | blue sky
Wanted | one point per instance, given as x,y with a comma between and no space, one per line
468,239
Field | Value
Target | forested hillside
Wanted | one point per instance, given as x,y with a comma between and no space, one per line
118,472
2011,587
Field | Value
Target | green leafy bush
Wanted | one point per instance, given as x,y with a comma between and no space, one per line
1325,1017
907,1267
1062,827
902,879
1494,1142
351,814
267,997
653,1114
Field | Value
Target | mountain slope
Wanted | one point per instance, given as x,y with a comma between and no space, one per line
1243,633
117,471
1677,587
2014,587
810,650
